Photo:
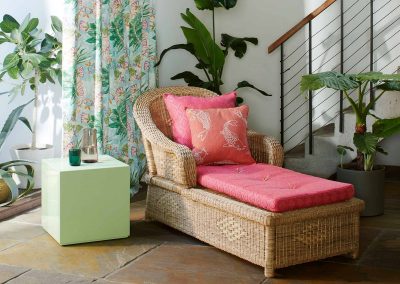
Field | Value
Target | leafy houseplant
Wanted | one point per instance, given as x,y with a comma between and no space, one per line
35,59
210,56
7,184
365,142
367,179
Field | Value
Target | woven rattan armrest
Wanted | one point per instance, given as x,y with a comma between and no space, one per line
165,158
265,149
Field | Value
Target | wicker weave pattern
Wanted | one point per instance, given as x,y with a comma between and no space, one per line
271,240
287,240
174,161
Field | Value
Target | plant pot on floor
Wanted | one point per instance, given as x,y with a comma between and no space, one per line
24,152
369,186
4,192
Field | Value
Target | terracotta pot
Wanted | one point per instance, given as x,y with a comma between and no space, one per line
4,191
369,186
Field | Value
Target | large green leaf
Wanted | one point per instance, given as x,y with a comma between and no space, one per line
25,121
385,128
366,143
375,77
245,84
205,47
205,4
11,121
192,80
332,80
34,58
11,60
13,72
389,86
8,24
33,23
56,24
239,45
342,149
212,4
185,46
228,3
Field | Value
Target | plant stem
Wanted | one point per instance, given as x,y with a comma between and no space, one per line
35,111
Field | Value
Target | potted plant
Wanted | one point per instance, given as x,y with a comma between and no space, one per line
367,178
35,59
210,56
9,191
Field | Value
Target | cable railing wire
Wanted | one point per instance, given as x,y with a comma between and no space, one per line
301,69
323,28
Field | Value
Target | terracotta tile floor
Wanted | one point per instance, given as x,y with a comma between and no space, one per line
157,254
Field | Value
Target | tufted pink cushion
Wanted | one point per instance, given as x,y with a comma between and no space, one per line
177,106
272,188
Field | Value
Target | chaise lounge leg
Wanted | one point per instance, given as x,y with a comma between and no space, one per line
355,254
269,272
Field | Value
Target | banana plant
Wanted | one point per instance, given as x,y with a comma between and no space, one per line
35,59
367,143
7,169
211,57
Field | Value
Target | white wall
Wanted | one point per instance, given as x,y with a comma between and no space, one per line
267,20
49,120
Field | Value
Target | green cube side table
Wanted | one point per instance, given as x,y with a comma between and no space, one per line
87,203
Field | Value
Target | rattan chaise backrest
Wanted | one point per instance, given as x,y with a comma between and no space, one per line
157,108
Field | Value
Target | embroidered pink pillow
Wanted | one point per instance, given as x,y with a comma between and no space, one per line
219,136
177,106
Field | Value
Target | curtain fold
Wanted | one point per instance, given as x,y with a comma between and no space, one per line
109,53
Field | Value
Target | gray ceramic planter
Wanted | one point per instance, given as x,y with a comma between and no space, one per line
369,187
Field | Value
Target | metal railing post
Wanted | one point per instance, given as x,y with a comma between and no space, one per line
310,93
282,95
341,114
371,56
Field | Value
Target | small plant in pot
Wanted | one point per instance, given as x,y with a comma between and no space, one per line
367,178
35,59
9,191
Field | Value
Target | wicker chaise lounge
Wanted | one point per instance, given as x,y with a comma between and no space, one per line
271,240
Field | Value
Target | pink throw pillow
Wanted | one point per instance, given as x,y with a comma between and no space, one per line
177,106
219,136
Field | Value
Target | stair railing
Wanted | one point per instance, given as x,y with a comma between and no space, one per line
298,117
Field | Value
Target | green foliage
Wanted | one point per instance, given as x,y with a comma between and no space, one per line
342,151
36,57
210,56
6,169
365,142
12,121
212,4
332,80
34,53
384,128
237,44
6,173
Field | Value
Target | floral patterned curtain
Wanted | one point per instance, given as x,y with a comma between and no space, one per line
108,61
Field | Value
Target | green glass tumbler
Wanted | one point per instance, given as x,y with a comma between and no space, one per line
75,157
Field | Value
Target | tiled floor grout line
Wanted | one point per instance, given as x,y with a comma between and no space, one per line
16,276
4,249
131,261
25,223
370,246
